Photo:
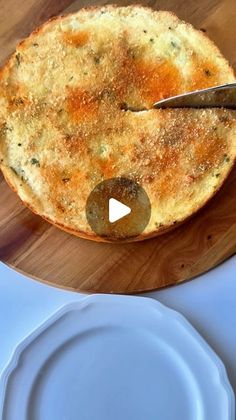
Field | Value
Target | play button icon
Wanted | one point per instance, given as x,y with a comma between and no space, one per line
118,209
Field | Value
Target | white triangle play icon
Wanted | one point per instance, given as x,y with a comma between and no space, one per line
117,210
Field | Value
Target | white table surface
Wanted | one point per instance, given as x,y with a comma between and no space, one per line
208,302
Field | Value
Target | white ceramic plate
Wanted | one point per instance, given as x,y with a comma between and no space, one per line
115,358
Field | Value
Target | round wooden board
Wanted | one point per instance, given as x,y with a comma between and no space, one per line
44,252
34,247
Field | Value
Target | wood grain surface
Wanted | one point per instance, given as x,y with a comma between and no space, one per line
34,247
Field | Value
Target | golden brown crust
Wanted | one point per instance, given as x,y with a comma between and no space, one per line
75,134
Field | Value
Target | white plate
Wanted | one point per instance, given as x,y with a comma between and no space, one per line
115,358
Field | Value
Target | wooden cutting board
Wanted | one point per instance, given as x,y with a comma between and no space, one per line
34,247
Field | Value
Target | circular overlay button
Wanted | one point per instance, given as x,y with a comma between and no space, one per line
118,209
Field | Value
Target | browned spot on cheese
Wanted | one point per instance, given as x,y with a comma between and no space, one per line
77,39
208,152
62,194
74,144
60,207
75,185
157,80
107,167
165,186
51,175
82,104
205,73
18,102
148,81
1,75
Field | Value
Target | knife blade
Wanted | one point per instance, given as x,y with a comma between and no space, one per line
221,96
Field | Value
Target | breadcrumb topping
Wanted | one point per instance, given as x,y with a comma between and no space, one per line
66,119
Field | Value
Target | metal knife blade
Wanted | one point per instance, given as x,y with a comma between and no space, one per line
213,97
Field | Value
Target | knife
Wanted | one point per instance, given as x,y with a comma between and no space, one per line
213,97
